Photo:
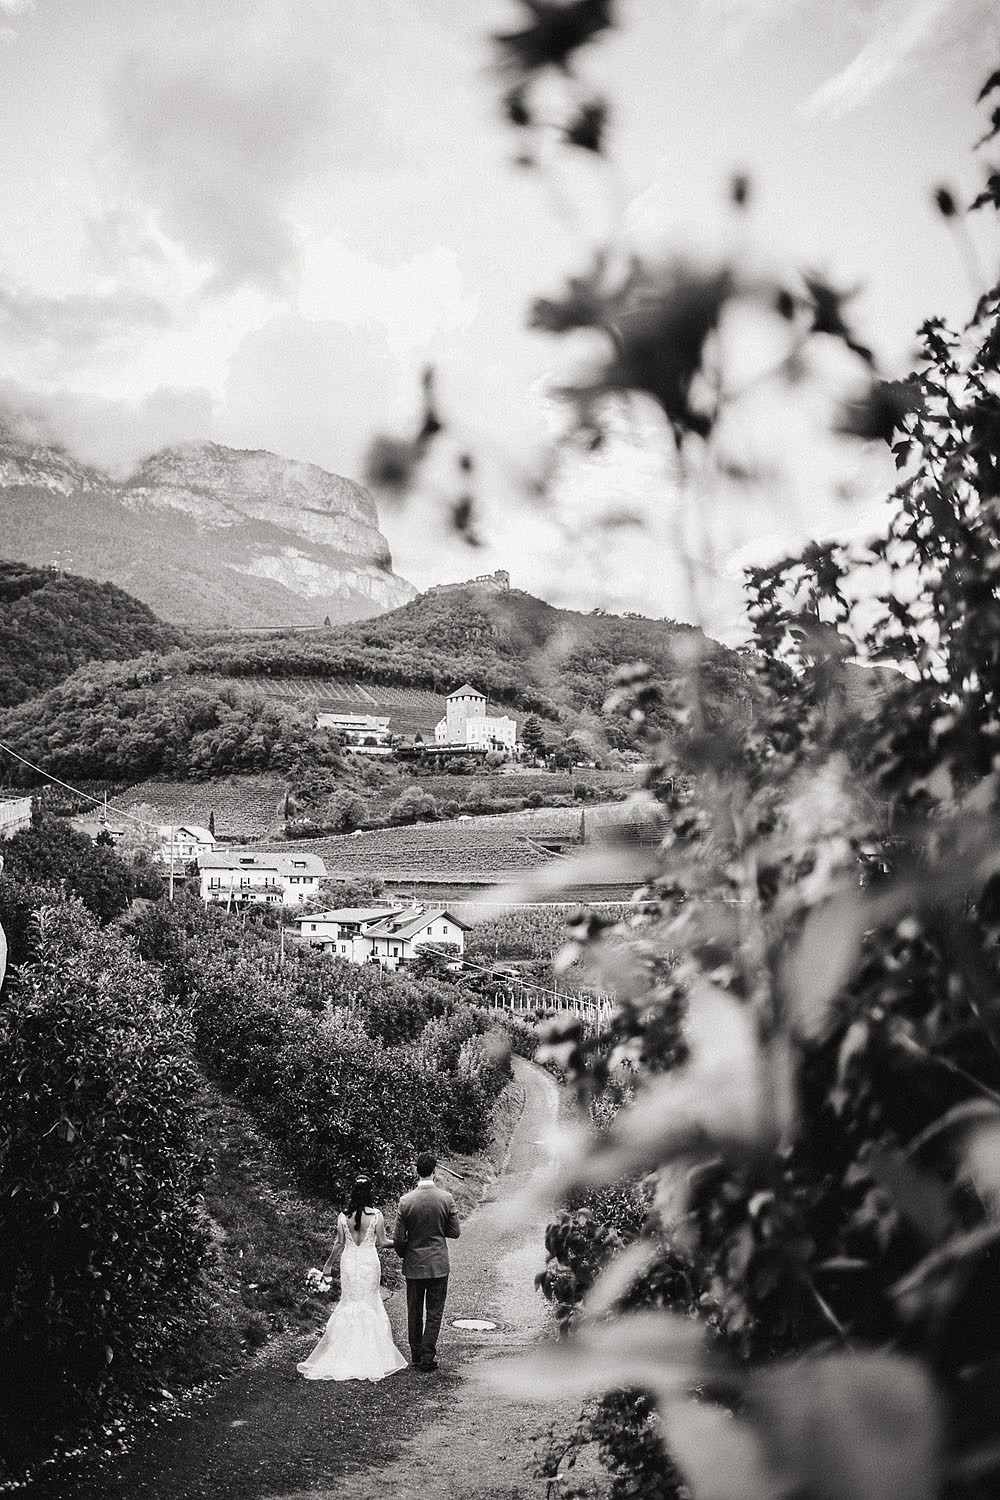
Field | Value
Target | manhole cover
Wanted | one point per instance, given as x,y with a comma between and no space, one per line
480,1324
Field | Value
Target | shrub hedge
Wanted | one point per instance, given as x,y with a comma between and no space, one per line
102,1242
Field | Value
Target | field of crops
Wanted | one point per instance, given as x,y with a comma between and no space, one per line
472,794
410,710
535,931
483,846
244,806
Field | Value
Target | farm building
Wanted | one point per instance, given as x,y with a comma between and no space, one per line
264,879
387,935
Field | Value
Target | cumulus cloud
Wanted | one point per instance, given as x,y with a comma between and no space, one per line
219,128
313,390
62,331
113,436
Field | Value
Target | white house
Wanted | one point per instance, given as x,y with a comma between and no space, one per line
397,938
466,722
491,732
15,814
339,930
183,842
265,879
365,734
387,935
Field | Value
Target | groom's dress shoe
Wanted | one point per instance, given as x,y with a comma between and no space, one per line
427,1365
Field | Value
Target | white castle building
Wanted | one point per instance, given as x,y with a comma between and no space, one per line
466,722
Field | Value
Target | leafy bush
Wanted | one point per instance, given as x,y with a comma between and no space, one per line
102,1243
413,806
20,901
51,853
345,811
521,1035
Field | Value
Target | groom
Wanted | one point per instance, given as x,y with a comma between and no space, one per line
425,1221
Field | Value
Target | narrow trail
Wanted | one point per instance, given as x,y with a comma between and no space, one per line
266,1434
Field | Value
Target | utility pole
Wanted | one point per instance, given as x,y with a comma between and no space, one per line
173,835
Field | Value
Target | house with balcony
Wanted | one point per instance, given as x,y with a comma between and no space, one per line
390,936
235,876
180,843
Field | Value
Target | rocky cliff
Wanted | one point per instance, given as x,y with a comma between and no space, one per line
205,535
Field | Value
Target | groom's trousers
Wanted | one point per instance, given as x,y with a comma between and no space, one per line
424,1310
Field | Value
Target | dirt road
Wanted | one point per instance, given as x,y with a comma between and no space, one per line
269,1435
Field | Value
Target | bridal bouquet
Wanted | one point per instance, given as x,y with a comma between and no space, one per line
316,1281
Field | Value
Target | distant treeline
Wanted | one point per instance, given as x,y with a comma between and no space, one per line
50,624
147,718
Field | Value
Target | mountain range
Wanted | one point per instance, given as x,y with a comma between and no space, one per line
207,536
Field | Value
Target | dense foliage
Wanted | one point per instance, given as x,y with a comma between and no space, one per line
802,1083
102,1242
52,623
50,853
346,1067
146,718
108,1036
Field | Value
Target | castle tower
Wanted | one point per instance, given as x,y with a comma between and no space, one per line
463,704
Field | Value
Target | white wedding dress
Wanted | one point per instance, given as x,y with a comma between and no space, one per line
357,1341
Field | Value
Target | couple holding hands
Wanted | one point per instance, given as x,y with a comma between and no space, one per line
357,1342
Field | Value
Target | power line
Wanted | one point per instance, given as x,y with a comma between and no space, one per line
120,812
98,801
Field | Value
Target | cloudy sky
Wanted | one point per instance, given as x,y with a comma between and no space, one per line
256,221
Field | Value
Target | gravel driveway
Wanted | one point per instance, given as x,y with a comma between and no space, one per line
266,1434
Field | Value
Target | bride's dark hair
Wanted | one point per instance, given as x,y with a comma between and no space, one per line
360,1195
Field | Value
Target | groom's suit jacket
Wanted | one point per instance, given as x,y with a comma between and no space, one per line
425,1221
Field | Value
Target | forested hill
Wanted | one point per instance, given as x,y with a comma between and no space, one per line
218,707
514,647
50,624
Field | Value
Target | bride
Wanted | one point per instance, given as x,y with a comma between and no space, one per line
357,1341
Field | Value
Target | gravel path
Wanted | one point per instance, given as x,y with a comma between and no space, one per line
266,1434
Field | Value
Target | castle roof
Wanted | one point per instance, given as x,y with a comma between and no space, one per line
467,691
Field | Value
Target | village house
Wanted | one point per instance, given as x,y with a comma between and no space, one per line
95,827
364,734
466,722
181,843
264,879
387,935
